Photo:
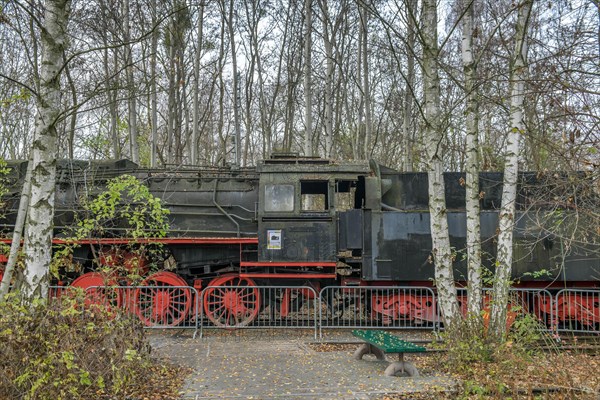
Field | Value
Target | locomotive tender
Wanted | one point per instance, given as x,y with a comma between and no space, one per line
305,221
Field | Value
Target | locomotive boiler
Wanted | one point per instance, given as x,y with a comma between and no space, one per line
307,222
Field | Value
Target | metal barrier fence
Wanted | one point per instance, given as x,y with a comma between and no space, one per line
55,292
157,307
577,310
338,307
535,302
251,307
391,307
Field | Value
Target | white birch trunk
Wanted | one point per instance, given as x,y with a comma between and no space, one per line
253,20
73,117
441,252
511,170
172,106
265,113
366,91
110,84
153,95
308,148
131,99
15,245
38,236
236,88
358,144
472,168
328,95
196,90
222,157
408,139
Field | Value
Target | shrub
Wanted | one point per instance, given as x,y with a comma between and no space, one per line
467,341
59,350
125,209
489,367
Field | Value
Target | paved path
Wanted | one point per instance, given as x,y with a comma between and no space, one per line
228,366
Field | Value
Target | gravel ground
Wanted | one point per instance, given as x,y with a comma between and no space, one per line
273,364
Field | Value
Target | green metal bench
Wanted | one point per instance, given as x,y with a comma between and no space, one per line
380,342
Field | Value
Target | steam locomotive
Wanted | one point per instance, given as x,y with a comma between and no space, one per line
310,221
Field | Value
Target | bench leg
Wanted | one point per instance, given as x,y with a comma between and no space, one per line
401,367
366,348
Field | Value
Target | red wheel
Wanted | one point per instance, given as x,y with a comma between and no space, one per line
100,295
130,262
235,302
165,301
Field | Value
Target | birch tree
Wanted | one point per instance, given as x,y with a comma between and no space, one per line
153,87
291,51
131,99
111,79
196,89
228,16
366,89
15,244
255,11
434,134
328,95
472,164
38,236
308,151
221,99
176,45
507,216
408,136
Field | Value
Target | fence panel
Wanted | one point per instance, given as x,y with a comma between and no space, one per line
536,302
392,307
251,307
56,292
157,307
577,310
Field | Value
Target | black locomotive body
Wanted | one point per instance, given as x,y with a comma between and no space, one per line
299,221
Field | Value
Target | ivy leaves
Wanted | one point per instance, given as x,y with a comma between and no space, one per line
125,209
127,204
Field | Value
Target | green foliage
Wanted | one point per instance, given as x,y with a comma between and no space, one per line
472,387
542,273
60,350
126,201
99,142
23,95
471,353
466,343
487,277
526,332
125,204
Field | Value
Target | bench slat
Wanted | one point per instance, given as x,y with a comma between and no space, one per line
388,342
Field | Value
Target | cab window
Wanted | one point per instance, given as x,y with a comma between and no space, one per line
314,196
279,198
